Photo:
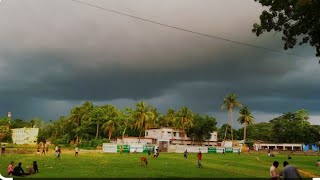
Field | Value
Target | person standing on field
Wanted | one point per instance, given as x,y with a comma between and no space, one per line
76,151
121,149
199,159
185,154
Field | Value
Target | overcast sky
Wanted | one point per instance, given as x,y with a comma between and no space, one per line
55,54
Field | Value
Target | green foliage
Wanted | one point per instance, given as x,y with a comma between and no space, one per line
202,128
260,131
93,143
298,20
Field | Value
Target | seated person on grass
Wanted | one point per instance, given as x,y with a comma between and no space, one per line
10,169
18,171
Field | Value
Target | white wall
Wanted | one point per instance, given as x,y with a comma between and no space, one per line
25,135
134,141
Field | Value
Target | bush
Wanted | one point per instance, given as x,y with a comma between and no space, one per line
92,144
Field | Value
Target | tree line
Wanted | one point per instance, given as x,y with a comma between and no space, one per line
89,123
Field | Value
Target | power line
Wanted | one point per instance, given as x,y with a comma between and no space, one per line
191,31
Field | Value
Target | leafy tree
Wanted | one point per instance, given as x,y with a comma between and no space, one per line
229,103
202,128
298,20
143,116
78,115
112,117
184,120
224,132
260,131
18,123
290,127
245,118
98,116
125,120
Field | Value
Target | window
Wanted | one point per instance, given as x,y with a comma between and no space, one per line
146,133
175,134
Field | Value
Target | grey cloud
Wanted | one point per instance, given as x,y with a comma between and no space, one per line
61,53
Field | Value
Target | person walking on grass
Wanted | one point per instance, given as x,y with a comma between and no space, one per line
199,159
58,152
76,152
43,150
185,154
121,149
3,149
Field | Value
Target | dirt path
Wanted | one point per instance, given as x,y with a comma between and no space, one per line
303,172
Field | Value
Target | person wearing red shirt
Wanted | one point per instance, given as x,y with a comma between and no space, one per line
10,169
199,159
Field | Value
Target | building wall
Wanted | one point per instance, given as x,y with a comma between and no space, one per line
166,134
25,135
134,140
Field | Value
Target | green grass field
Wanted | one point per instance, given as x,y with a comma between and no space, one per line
167,165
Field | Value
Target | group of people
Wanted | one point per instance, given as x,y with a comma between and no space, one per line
45,150
18,170
289,172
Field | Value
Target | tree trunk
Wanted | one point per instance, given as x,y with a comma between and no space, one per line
124,131
97,131
244,134
77,140
231,120
139,136
110,133
183,137
225,134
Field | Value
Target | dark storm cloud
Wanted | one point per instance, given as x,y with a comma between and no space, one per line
54,58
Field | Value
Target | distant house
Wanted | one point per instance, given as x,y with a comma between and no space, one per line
273,146
25,135
135,140
163,137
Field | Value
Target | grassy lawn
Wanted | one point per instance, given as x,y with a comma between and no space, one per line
167,165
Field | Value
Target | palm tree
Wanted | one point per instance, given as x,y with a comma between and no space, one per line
125,120
230,102
245,118
112,119
184,120
156,117
143,116
75,118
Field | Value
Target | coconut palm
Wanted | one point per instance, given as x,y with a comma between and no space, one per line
112,117
184,120
169,120
125,120
245,118
143,116
229,103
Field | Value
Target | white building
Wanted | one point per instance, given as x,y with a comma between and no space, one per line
164,136
284,146
25,135
135,140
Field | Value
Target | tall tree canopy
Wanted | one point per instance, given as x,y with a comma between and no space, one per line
298,20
